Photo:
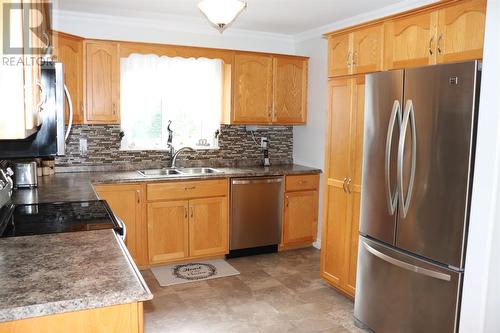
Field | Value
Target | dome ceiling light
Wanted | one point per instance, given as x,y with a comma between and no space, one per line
221,12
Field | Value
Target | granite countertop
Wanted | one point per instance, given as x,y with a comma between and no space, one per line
77,186
48,274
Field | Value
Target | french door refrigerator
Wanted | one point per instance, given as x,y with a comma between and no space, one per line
419,141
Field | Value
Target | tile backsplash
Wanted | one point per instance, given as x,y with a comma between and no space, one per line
236,148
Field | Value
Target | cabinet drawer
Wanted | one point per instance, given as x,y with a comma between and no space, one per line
302,182
187,189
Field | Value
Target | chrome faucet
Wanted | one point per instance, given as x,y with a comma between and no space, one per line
174,158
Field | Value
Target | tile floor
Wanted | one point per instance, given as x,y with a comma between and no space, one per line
275,293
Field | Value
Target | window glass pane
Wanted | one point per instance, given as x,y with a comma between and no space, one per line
156,89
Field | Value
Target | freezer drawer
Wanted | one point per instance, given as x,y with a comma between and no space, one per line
396,292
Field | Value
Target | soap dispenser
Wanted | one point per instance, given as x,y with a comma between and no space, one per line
265,150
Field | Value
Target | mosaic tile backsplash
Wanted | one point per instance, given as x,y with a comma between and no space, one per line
236,149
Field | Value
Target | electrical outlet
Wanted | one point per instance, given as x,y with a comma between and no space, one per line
83,146
263,142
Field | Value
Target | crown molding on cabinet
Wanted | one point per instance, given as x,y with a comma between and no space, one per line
361,18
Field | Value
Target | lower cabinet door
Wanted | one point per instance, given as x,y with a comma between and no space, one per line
397,292
351,247
168,230
124,201
300,217
333,242
208,227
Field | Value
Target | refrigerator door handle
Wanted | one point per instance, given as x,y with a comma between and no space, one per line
392,198
70,107
408,116
407,266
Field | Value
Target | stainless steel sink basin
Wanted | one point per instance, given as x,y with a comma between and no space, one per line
178,172
159,172
198,171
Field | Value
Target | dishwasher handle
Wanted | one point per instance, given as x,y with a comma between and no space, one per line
256,181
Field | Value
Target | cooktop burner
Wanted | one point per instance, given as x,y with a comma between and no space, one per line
47,218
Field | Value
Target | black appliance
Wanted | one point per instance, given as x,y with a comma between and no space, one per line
50,138
49,218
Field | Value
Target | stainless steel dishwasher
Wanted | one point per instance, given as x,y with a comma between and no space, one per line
256,205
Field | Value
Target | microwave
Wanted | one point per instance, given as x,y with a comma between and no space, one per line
49,140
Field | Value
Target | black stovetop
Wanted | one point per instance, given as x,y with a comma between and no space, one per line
48,218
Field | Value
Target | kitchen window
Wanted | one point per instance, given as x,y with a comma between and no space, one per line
158,89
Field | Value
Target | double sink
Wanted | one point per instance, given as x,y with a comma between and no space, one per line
178,172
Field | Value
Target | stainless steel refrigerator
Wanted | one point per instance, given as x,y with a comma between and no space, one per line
419,141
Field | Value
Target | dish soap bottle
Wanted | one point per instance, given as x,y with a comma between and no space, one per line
265,150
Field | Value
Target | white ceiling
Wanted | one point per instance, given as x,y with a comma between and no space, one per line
290,17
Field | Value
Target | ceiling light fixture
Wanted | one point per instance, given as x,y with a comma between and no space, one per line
221,12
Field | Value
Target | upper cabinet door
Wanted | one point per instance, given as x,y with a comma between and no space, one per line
253,89
339,135
368,49
410,41
102,83
461,31
69,51
339,55
290,90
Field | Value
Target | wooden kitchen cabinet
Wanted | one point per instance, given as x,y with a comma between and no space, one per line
187,220
356,52
461,31
168,231
253,89
343,182
208,226
339,55
268,90
124,318
300,211
300,220
68,49
125,200
451,33
290,90
102,82
367,49
410,40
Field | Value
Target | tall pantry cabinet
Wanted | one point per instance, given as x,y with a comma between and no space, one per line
344,153
442,32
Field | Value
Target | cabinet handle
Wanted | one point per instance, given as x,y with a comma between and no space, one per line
349,58
138,196
344,185
191,208
287,201
430,45
189,188
185,212
114,108
354,57
439,43
302,182
349,185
